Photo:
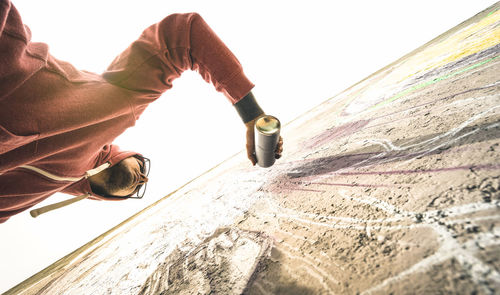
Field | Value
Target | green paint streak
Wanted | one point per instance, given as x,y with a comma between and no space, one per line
492,12
430,82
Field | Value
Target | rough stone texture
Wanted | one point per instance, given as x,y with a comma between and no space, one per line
223,263
391,187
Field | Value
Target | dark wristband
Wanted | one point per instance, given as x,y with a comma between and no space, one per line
248,108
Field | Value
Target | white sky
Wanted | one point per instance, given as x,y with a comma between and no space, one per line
298,53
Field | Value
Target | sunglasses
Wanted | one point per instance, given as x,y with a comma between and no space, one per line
141,189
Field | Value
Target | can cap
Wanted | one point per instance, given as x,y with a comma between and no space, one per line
267,125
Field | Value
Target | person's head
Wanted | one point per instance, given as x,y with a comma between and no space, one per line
120,180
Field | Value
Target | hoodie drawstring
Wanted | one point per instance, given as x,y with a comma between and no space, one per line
35,212
41,210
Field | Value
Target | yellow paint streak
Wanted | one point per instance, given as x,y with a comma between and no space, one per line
472,39
475,37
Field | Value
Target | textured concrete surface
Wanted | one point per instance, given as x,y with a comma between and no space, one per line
393,186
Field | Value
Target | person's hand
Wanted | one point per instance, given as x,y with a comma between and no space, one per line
251,143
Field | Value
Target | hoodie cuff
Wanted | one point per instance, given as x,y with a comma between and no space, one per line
248,108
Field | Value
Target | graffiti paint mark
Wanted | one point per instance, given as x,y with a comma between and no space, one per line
493,11
335,133
416,114
351,128
365,101
416,148
436,170
352,184
433,81
301,189
311,263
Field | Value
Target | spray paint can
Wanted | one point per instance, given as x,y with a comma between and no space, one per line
267,133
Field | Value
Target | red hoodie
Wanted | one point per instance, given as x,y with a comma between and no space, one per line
61,120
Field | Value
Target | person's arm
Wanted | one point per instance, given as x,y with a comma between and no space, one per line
4,12
20,59
178,43
164,50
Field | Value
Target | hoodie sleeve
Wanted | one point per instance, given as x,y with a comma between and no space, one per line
20,58
4,12
178,43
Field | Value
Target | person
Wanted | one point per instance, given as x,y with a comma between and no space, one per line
57,123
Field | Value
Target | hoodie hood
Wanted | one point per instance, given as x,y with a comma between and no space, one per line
110,154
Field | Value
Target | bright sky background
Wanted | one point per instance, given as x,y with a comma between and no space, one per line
298,53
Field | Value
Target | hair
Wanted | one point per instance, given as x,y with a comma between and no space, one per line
119,178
